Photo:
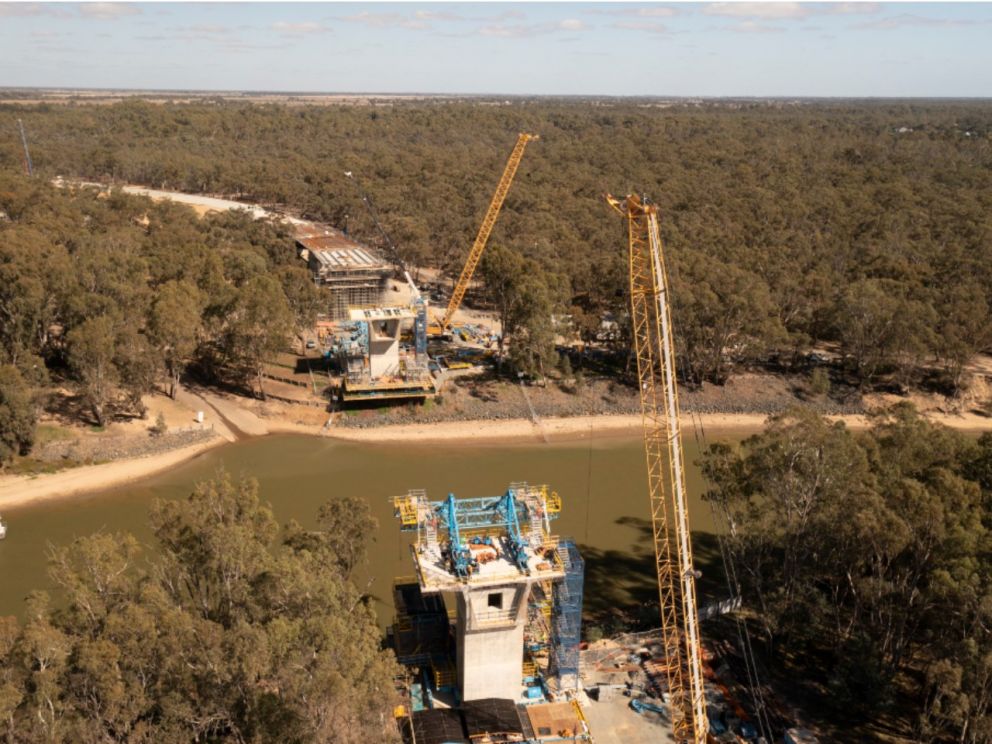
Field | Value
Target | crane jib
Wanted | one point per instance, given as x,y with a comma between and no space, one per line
651,322
486,228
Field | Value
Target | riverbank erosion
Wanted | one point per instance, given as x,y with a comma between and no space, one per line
70,459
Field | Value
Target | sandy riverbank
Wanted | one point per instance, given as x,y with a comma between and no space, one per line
596,427
23,490
510,430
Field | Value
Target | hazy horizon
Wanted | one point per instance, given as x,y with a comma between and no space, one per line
671,50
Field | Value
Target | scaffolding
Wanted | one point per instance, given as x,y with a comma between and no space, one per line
566,617
517,586
421,635
353,273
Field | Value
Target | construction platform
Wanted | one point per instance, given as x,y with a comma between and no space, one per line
353,273
516,589
476,543
496,721
376,365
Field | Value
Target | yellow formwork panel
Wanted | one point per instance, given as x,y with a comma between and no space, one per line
406,509
444,674
552,499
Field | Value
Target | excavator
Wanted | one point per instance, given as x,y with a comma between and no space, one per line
440,325
651,319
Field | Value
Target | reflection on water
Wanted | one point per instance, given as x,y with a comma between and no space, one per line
603,488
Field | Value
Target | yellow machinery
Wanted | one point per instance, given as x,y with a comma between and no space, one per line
653,340
482,238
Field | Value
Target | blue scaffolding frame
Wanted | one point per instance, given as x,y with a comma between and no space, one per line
566,631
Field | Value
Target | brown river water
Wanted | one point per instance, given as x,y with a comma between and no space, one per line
603,488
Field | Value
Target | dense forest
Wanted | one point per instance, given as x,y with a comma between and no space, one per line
115,295
865,561
239,630
865,225
864,228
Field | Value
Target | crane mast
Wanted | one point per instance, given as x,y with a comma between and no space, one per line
654,346
475,254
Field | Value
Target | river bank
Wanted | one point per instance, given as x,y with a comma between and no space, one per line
22,490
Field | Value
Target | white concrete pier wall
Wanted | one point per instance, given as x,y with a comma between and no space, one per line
490,641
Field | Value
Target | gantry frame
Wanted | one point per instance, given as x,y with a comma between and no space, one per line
655,350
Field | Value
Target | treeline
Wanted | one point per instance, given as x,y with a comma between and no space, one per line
116,294
238,630
865,225
865,561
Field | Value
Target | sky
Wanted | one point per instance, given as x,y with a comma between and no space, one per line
563,48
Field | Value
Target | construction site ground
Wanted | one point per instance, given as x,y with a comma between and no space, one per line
613,721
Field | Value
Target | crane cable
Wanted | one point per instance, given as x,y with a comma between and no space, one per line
726,555
393,250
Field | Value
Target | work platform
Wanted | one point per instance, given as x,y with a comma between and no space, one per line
481,542
507,575
377,366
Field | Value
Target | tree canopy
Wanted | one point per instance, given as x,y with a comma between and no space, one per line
114,293
865,556
237,631
786,225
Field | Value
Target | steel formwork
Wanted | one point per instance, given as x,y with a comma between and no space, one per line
566,623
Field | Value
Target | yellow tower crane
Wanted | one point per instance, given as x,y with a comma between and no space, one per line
488,222
653,342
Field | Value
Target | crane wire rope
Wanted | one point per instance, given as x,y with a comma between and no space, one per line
726,555
394,253
589,481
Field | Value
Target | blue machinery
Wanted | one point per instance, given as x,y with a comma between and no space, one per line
519,519
489,513
420,329
472,521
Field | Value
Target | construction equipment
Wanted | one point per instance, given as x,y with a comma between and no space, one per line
654,346
28,165
488,222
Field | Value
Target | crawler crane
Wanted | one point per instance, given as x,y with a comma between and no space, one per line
488,222
653,342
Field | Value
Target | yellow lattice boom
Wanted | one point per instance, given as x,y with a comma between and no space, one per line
488,222
653,343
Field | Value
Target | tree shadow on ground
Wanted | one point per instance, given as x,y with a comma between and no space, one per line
621,585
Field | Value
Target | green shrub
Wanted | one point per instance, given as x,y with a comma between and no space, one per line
819,382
